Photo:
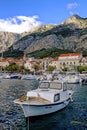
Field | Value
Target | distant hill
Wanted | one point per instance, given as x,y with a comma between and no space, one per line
69,35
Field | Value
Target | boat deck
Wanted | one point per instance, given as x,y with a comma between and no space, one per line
33,100
38,100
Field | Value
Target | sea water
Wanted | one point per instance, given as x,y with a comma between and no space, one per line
73,117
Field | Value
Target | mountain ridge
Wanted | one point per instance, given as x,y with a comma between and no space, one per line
77,20
70,34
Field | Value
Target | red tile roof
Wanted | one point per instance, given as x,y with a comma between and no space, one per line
3,60
31,62
18,60
55,59
70,54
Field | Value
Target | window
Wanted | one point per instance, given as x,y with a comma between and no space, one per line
44,85
55,86
56,97
64,87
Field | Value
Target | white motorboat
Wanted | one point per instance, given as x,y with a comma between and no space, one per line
28,77
49,97
72,78
4,76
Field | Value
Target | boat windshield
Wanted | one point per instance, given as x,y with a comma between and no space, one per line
44,85
51,85
55,86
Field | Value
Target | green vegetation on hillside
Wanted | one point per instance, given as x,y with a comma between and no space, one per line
50,52
13,53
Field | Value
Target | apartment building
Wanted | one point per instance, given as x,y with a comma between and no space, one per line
69,60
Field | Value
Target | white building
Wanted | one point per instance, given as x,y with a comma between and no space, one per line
45,63
69,60
29,64
54,63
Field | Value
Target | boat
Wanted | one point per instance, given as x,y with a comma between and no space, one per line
4,76
49,97
28,77
72,78
15,76
12,76
84,81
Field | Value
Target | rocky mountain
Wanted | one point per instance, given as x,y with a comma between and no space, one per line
71,35
77,21
7,39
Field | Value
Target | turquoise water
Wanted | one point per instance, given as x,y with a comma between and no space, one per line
73,117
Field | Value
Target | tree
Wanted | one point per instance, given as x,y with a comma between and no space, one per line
82,68
65,69
36,67
12,67
50,68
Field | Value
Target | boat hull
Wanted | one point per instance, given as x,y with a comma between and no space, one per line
38,110
73,81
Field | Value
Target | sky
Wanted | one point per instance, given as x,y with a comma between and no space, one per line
20,16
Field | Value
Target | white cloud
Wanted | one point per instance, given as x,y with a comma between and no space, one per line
19,24
71,6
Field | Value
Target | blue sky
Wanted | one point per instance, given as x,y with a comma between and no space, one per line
23,15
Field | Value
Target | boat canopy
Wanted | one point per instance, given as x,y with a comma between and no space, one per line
53,85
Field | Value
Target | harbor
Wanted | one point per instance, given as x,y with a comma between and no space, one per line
74,116
43,65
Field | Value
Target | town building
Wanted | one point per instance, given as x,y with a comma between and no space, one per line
4,63
54,63
46,62
30,63
69,60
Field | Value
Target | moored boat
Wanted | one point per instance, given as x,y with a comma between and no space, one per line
84,81
28,77
49,97
72,78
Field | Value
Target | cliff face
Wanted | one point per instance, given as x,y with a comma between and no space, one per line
71,35
7,39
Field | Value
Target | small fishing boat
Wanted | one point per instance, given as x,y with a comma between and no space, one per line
29,77
12,76
49,97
